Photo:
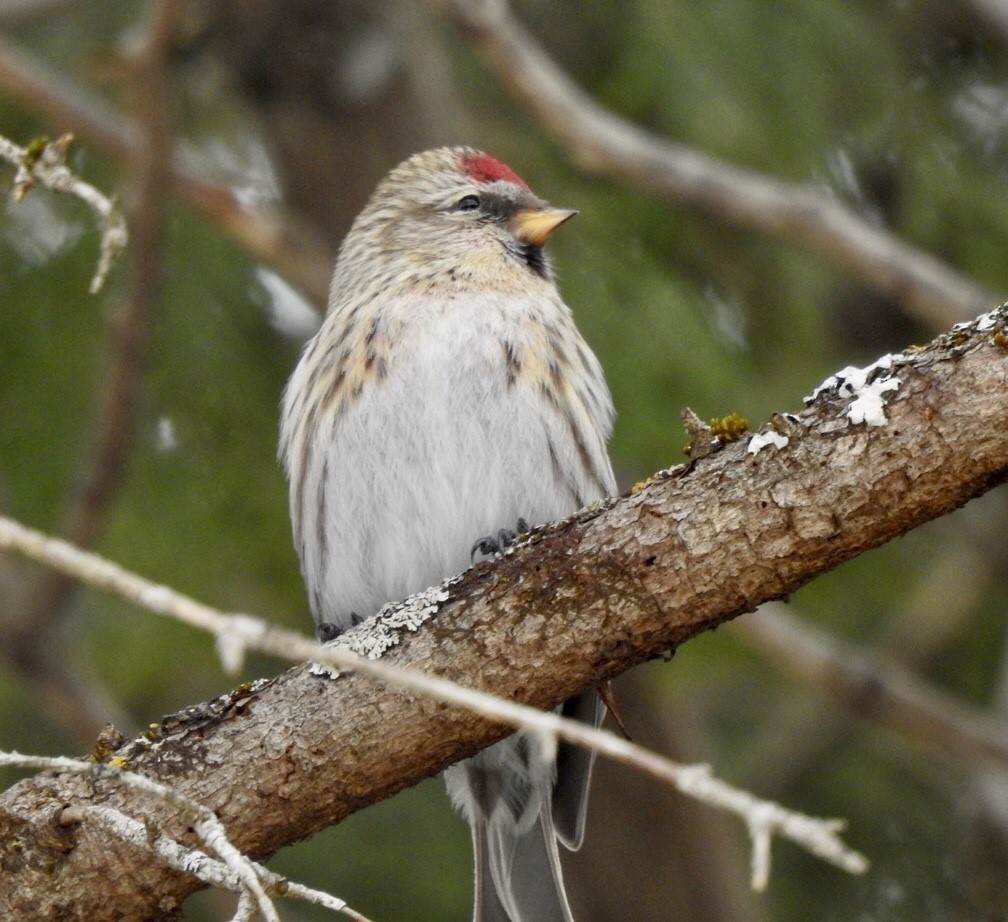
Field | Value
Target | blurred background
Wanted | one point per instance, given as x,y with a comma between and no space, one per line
142,421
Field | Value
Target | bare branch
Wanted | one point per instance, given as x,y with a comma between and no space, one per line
28,640
67,691
291,247
83,519
233,872
936,610
874,688
43,163
237,633
604,144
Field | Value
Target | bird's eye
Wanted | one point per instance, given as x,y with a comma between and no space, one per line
468,203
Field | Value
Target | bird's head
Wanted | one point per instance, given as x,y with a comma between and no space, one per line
454,217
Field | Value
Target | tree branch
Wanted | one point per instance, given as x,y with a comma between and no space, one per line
582,601
871,686
43,162
289,246
603,144
359,651
233,871
937,609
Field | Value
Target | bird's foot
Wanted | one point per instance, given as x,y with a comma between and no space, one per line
326,631
497,544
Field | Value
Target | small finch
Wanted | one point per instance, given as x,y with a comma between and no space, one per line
447,397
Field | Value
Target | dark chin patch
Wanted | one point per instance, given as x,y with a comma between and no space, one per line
535,259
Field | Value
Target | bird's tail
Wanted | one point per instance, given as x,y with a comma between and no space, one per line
518,876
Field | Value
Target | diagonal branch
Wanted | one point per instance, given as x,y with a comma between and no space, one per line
237,633
877,688
583,600
604,144
939,608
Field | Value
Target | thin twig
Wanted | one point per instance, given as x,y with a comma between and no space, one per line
245,909
60,678
604,144
234,871
244,632
293,248
70,695
43,163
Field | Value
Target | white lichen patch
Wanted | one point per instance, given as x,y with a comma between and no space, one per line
868,405
867,388
385,630
763,440
984,322
989,320
851,379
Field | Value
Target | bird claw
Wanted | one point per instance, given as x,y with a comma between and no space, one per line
326,631
497,544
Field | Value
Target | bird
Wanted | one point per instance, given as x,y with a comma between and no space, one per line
447,401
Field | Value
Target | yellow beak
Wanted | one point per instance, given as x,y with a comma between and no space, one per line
534,225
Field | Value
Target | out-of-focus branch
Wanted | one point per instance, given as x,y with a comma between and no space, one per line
994,12
17,12
86,513
605,144
881,690
920,627
292,248
68,694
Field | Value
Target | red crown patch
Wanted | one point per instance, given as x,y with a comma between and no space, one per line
484,168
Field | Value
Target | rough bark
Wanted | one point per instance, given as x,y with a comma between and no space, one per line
585,600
